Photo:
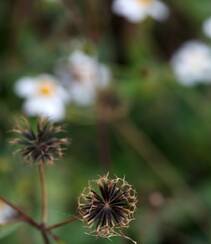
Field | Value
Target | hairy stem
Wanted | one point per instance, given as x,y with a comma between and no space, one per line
44,200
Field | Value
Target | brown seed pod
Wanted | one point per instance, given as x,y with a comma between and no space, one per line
107,206
42,145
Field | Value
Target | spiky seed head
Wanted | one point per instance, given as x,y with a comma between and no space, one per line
107,206
42,144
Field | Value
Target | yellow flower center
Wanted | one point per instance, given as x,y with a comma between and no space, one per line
145,2
46,89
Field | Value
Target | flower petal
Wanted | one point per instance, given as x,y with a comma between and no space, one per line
104,75
159,11
207,27
52,108
192,63
129,9
25,87
82,95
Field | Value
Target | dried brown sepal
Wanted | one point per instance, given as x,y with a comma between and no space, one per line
40,145
107,206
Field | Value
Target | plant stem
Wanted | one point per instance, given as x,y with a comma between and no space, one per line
104,149
23,216
54,237
64,222
44,200
45,237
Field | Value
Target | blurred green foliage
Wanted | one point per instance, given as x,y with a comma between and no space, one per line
162,146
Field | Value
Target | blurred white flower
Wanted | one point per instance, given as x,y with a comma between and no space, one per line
84,75
6,213
44,96
192,63
207,27
138,10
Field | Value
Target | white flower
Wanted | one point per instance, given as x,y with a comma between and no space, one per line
138,10
207,27
84,75
192,63
44,96
6,213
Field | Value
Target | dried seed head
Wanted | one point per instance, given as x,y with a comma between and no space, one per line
42,145
107,206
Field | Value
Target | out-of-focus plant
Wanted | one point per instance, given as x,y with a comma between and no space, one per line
192,63
83,76
44,96
138,10
207,27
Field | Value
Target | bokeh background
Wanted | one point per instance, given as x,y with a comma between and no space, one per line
157,135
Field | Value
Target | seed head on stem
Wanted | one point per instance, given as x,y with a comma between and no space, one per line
42,144
107,206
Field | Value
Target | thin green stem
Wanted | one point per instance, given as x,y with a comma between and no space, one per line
44,199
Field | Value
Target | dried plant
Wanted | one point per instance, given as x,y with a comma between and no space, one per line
42,144
107,205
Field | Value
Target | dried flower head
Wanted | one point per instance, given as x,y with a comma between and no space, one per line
41,145
107,206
